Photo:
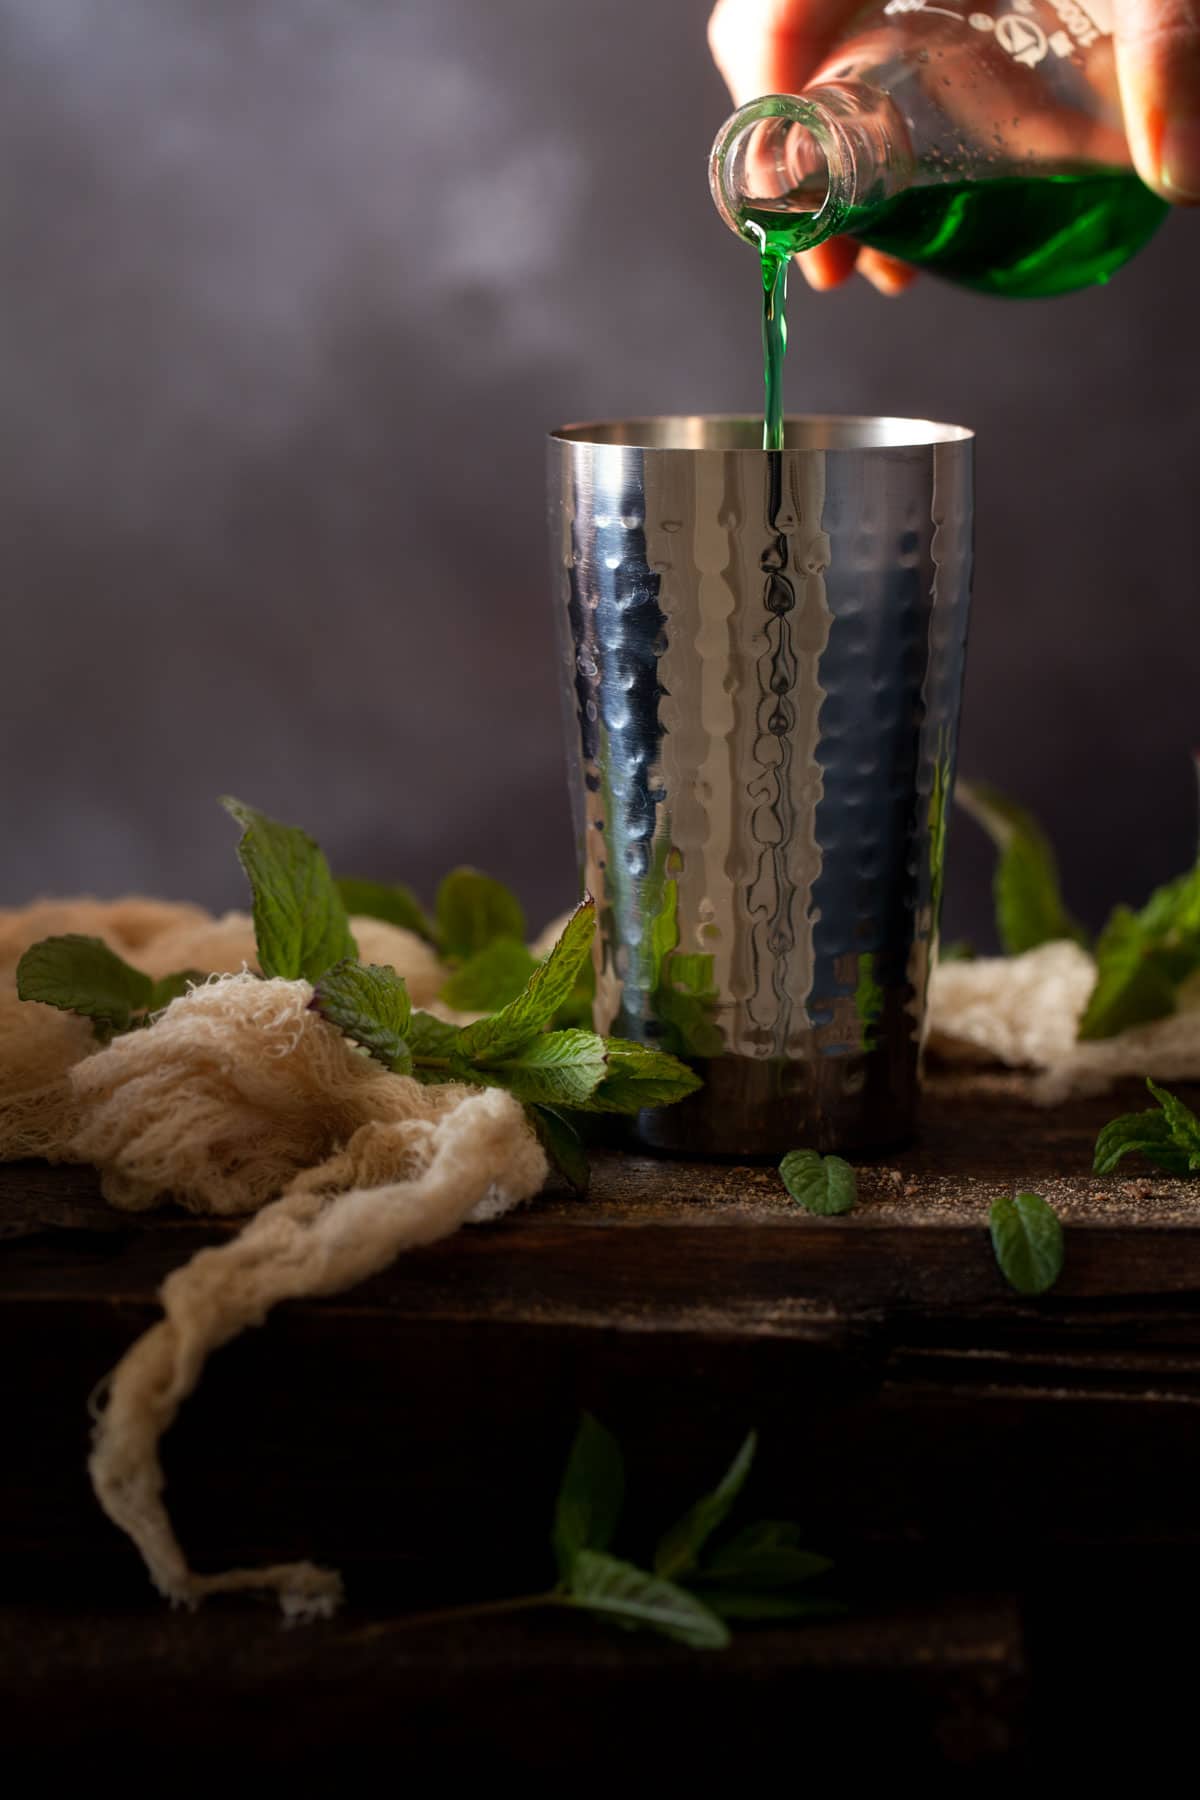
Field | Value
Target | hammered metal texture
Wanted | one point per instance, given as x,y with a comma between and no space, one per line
762,666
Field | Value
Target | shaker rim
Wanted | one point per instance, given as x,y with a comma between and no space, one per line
741,433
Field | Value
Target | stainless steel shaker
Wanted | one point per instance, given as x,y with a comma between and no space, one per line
762,662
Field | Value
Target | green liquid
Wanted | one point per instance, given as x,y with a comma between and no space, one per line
1027,238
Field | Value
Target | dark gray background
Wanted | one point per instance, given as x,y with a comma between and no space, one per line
291,291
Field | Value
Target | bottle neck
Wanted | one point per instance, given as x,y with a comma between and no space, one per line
809,160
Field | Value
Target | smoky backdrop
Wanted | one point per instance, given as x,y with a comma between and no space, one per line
292,290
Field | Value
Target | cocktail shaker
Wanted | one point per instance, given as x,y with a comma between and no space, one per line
762,662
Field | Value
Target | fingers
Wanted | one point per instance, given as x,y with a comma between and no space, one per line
829,265
773,46
885,274
1158,66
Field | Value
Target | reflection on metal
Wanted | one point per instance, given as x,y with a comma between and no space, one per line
763,657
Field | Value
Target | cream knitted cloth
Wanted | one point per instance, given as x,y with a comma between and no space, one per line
240,1098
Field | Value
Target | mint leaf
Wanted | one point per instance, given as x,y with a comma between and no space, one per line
394,904
299,920
638,1077
1182,1123
1027,1237
1146,1132
591,1495
82,975
679,1548
565,1149
824,1184
766,1555
557,1068
431,1044
370,1004
734,1603
1133,984
631,1597
492,977
1029,903
473,910
497,1038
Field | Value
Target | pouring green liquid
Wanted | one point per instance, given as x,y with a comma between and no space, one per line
1026,238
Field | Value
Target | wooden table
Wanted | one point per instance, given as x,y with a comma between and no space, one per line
1009,1485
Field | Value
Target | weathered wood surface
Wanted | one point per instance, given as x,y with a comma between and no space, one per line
933,1428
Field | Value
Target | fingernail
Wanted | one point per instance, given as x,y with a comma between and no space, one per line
1179,158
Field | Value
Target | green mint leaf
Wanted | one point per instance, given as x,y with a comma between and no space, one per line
431,1044
1182,1123
170,987
590,1498
679,1548
299,920
394,904
557,1068
576,1009
82,975
492,978
370,1004
565,1149
611,1589
1133,986
1029,903
824,1184
473,910
515,1025
638,1077
766,1555
1146,1132
734,1603
1027,1237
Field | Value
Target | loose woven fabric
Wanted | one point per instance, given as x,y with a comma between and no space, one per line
239,1098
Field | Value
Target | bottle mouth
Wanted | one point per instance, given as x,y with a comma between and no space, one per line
777,156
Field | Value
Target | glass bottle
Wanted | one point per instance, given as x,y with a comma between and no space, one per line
983,145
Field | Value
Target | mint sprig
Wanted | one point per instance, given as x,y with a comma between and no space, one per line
1027,1238
1168,1136
300,923
82,975
1029,905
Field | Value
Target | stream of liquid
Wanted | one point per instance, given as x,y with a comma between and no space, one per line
1025,237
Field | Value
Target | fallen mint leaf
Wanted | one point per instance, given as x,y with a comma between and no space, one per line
766,1555
591,1495
300,923
609,1588
824,1184
1027,1237
370,1004
679,1548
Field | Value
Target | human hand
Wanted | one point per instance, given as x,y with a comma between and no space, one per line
775,46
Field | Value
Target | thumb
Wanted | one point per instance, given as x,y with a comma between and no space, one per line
1158,66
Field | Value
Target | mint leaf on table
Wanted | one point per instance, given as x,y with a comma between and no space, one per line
679,1548
1168,1137
82,975
591,1495
493,976
1027,1238
565,1149
628,1596
394,903
1029,903
300,923
473,911
638,1077
497,1038
824,1184
370,1004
